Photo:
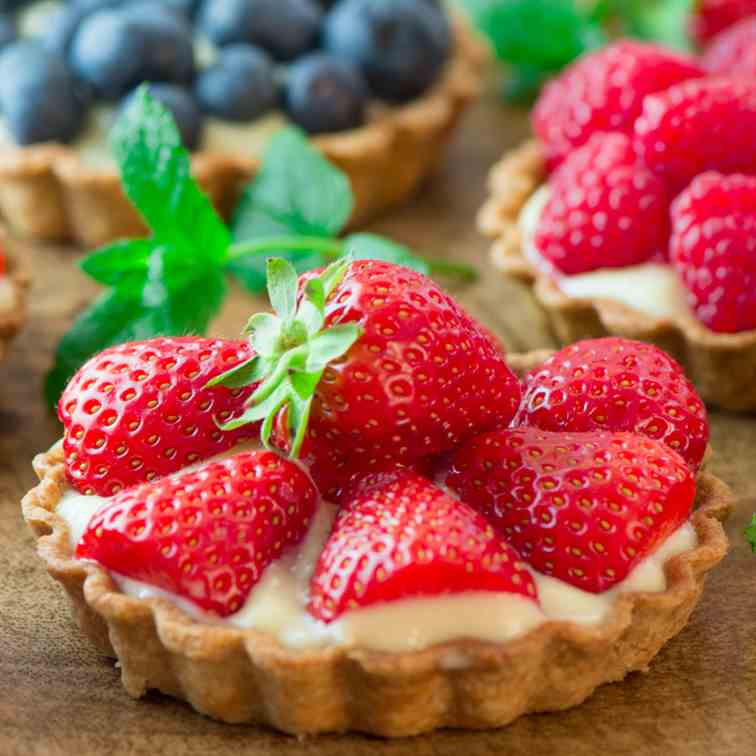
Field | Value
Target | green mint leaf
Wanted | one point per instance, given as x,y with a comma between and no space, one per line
295,192
156,175
365,246
113,264
664,22
282,287
523,83
750,533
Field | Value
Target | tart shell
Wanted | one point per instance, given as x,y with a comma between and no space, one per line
721,365
247,676
12,318
48,193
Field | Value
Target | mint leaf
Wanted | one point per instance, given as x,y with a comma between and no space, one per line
750,533
156,175
296,192
366,246
665,22
112,264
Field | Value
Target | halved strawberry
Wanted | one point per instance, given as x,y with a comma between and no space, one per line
400,536
367,363
582,507
616,384
141,410
205,535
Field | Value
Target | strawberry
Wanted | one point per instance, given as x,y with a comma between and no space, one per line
733,51
371,362
604,210
581,507
699,125
616,384
714,249
604,91
401,536
206,535
138,411
712,16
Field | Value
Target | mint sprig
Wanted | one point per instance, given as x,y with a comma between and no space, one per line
174,281
750,533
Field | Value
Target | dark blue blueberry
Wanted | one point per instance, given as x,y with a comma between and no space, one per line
12,5
8,31
180,101
187,8
400,45
285,28
324,94
239,86
114,50
38,95
63,24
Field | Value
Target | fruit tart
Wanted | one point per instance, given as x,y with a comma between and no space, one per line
632,212
388,534
379,84
13,285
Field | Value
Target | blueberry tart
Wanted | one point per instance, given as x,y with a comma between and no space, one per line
378,84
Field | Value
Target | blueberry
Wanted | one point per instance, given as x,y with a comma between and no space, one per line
400,45
285,28
8,31
38,95
239,86
116,49
186,8
63,24
326,94
183,107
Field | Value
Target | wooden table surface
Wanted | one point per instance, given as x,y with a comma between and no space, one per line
58,697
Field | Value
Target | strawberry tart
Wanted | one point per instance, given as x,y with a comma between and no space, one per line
13,285
632,212
367,518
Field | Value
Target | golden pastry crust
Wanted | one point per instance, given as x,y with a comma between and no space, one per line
13,315
721,365
48,193
247,676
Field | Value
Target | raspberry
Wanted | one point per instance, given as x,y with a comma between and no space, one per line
698,126
713,16
733,51
714,248
605,210
604,91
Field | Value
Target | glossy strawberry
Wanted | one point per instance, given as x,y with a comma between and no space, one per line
733,51
581,507
604,91
696,126
206,535
604,210
381,366
401,536
713,247
712,16
616,384
138,411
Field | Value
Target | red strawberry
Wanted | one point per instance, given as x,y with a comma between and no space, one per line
382,366
206,535
617,384
141,410
401,536
604,211
733,51
582,507
701,125
714,249
604,91
712,16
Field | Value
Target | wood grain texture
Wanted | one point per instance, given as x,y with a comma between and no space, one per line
58,697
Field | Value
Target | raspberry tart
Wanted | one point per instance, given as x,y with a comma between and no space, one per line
477,554
631,213
379,103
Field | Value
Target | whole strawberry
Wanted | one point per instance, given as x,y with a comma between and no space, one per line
616,384
400,536
713,247
696,126
604,211
604,91
733,51
371,362
206,535
712,16
582,507
139,411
